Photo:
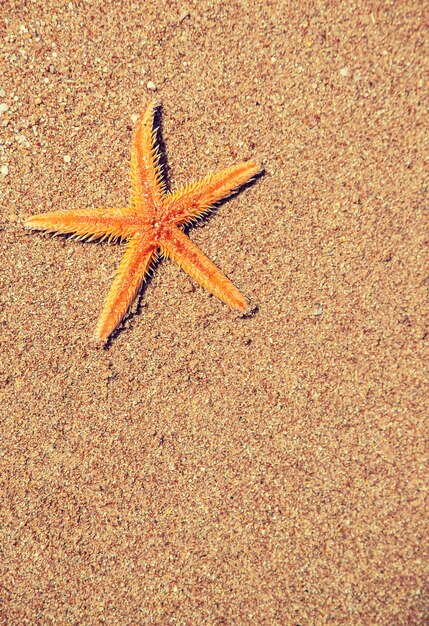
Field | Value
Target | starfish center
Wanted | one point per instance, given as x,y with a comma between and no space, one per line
157,228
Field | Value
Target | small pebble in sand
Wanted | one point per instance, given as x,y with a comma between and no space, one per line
184,15
22,140
151,85
317,310
4,107
4,170
2,93
134,118
344,72
67,158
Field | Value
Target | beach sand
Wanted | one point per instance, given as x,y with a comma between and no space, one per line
204,467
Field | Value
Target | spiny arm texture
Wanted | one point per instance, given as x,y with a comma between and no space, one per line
152,224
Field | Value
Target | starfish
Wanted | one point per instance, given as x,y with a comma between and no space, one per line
152,225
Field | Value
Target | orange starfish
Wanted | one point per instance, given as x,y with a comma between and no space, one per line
153,224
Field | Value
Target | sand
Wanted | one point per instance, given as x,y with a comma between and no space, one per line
208,468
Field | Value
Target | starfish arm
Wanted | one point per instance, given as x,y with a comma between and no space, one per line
87,224
147,185
178,247
132,270
195,200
